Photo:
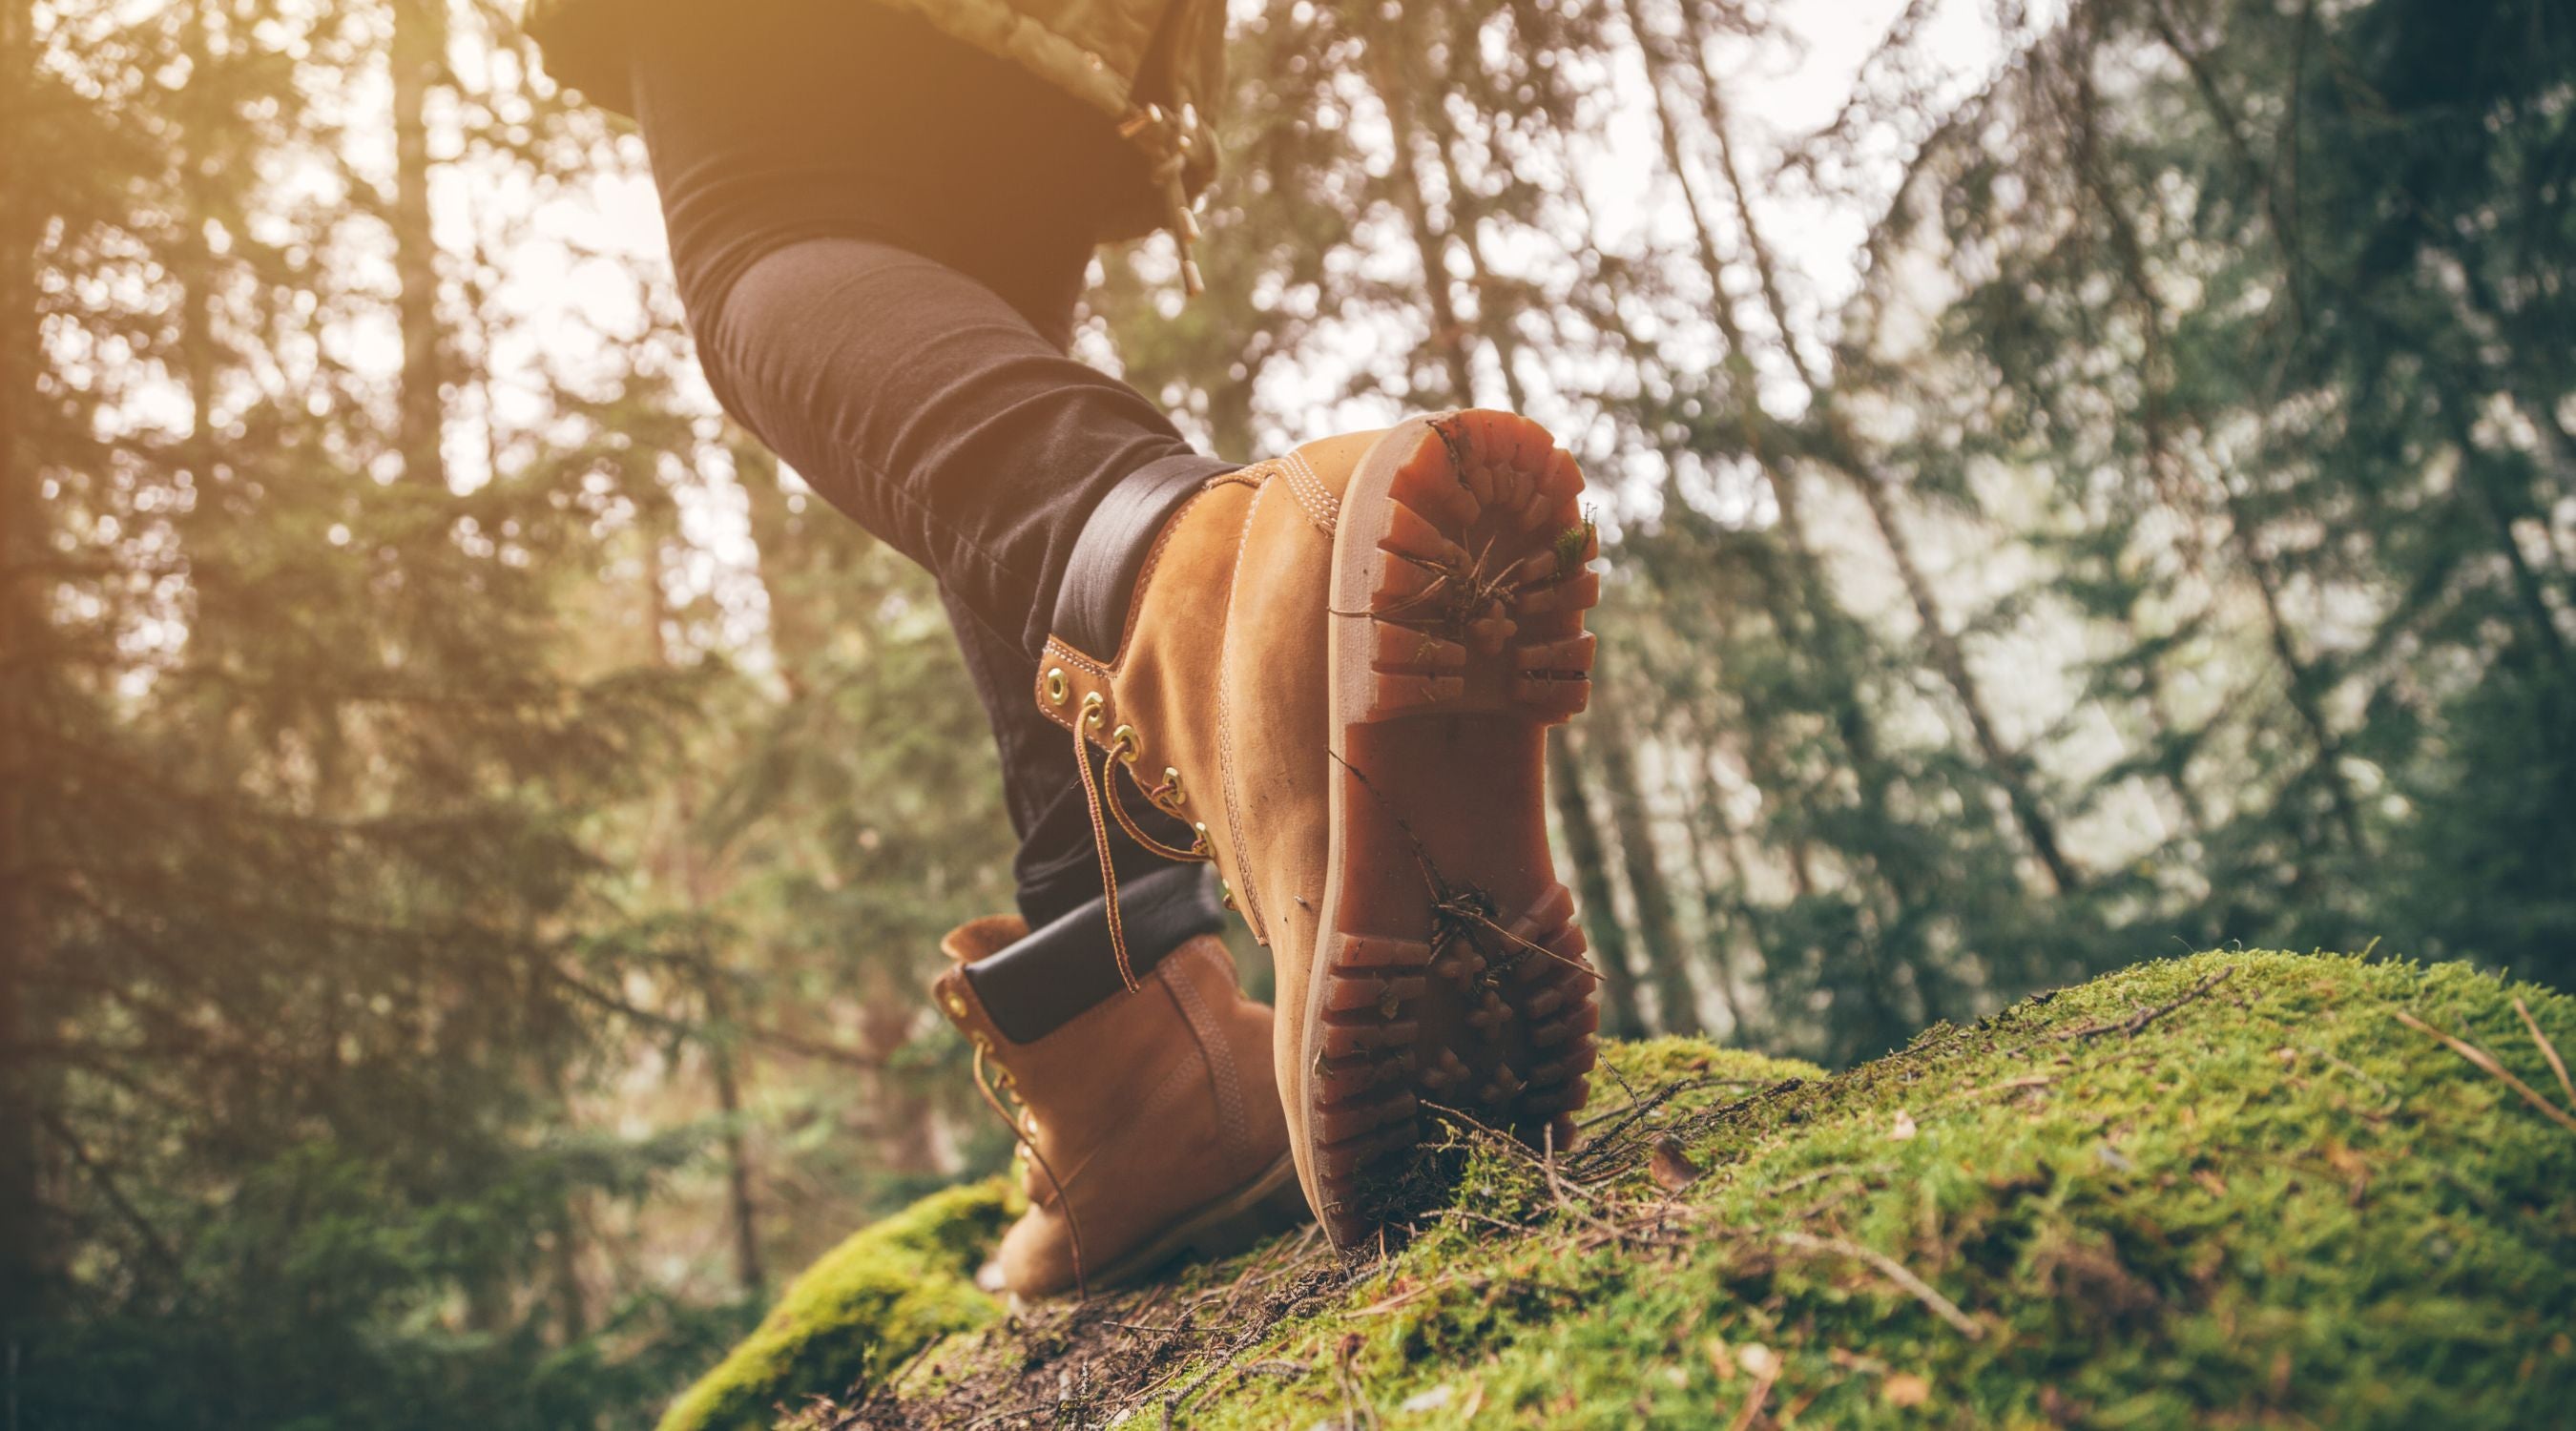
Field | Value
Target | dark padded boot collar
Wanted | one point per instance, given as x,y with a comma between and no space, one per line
1100,577
1041,982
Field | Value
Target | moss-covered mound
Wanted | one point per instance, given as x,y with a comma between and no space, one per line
2236,1189
860,1309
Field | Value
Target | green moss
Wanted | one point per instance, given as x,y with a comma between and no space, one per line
2226,1190
857,1312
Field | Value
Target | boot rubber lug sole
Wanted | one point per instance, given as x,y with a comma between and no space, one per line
1449,972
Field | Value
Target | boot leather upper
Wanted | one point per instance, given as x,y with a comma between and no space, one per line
1148,1106
1221,677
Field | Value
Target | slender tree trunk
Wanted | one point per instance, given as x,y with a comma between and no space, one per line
1584,846
1724,910
2130,249
2529,591
1613,741
742,1211
2009,770
2188,802
23,1234
1830,631
903,1137
1830,623
1583,849
741,1207
419,55
1448,334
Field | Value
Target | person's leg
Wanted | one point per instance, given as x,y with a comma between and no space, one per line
883,270
921,404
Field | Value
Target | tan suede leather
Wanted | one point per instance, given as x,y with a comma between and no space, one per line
1156,1108
1229,703
1251,558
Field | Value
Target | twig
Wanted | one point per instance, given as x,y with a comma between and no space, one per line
2009,1085
1757,1398
1514,1228
2548,1050
1172,1404
1556,1188
1355,1397
1546,1165
1858,1170
1406,1297
2132,1024
2483,1059
1894,1271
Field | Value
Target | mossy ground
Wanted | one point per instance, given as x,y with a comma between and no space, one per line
2227,1190
862,1307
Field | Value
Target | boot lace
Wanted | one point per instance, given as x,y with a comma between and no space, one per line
1101,789
994,1089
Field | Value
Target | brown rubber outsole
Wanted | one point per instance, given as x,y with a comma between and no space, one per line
1449,973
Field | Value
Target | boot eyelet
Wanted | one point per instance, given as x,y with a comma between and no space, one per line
956,1003
1091,706
1200,846
1172,790
1057,687
1122,743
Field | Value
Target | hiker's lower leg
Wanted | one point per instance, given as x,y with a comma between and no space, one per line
886,302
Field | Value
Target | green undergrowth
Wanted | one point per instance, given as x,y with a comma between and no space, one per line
2231,1190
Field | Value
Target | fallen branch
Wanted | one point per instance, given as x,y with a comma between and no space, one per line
1895,1272
2130,1026
2548,1050
2487,1061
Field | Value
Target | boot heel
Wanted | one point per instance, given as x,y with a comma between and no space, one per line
1480,582
1450,970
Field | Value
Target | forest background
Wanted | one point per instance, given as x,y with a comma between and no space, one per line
2080,482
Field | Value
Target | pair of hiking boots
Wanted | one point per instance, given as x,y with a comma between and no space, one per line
1335,670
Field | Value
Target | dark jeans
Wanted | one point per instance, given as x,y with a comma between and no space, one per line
881,237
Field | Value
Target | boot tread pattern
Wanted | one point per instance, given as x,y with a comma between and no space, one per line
1475,588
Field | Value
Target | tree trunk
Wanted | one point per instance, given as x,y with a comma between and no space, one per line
1814,588
1609,736
1620,1015
419,54
1448,335
22,1225
742,1211
1583,849
2009,770
2130,250
741,1208
1725,911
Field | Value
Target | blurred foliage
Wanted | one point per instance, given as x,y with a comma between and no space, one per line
472,833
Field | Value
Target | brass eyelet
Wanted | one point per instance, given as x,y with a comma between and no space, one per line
1122,743
956,1003
1172,787
1057,687
1225,895
1200,846
1091,704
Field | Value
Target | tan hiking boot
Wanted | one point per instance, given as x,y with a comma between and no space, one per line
1149,1122
1340,666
